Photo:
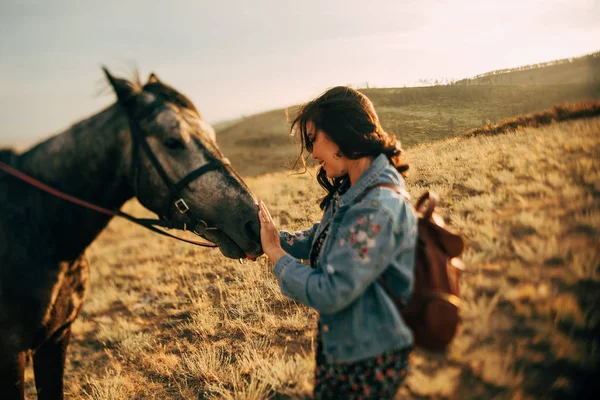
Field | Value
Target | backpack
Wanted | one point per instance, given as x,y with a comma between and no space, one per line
433,311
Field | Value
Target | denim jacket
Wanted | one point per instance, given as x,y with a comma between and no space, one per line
369,235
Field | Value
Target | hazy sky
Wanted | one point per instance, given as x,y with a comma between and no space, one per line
240,57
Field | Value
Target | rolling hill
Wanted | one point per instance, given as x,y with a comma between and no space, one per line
585,69
260,143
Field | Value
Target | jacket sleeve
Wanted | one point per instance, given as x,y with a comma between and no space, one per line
363,248
298,244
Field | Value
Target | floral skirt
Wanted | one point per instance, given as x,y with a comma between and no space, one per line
373,378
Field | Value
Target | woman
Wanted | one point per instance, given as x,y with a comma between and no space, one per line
366,231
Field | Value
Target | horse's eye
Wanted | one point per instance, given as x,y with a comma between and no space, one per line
174,144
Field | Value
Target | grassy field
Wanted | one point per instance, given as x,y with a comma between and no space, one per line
416,115
166,320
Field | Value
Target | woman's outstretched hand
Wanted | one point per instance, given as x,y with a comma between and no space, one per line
269,234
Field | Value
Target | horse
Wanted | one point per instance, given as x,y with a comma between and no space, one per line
138,147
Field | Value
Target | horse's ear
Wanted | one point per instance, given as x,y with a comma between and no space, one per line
153,78
124,89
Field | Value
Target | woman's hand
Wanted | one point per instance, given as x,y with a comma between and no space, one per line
269,234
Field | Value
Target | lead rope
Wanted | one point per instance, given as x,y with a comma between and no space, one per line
146,223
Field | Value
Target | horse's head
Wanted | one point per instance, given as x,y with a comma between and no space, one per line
177,170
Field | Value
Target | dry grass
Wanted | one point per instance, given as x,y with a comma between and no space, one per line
165,320
558,113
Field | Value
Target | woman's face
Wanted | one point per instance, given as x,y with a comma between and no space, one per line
324,150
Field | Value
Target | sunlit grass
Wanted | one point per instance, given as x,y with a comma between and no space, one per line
164,320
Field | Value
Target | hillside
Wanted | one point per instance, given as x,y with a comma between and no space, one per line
585,69
171,321
416,115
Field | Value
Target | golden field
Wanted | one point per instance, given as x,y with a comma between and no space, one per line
167,320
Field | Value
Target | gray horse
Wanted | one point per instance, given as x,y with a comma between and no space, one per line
153,136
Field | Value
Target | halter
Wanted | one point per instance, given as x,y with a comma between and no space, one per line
175,198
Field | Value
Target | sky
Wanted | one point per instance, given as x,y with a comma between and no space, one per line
236,57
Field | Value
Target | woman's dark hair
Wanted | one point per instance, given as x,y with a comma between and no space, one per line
350,121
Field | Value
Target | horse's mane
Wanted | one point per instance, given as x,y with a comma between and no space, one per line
171,95
166,92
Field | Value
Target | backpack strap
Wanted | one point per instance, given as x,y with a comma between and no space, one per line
388,290
430,199
433,201
450,298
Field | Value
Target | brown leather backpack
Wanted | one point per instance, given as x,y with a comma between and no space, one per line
432,312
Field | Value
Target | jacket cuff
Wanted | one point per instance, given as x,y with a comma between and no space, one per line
280,265
293,277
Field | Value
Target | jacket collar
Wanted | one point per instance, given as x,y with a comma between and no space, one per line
369,178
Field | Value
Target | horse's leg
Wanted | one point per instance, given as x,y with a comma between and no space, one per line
12,376
49,365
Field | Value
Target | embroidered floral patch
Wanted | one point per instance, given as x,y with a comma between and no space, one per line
290,238
362,237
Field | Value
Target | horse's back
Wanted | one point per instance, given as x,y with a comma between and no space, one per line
9,157
14,215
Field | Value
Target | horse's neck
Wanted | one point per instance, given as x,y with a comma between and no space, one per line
86,161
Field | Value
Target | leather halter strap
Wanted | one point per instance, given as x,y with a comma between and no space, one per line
175,197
